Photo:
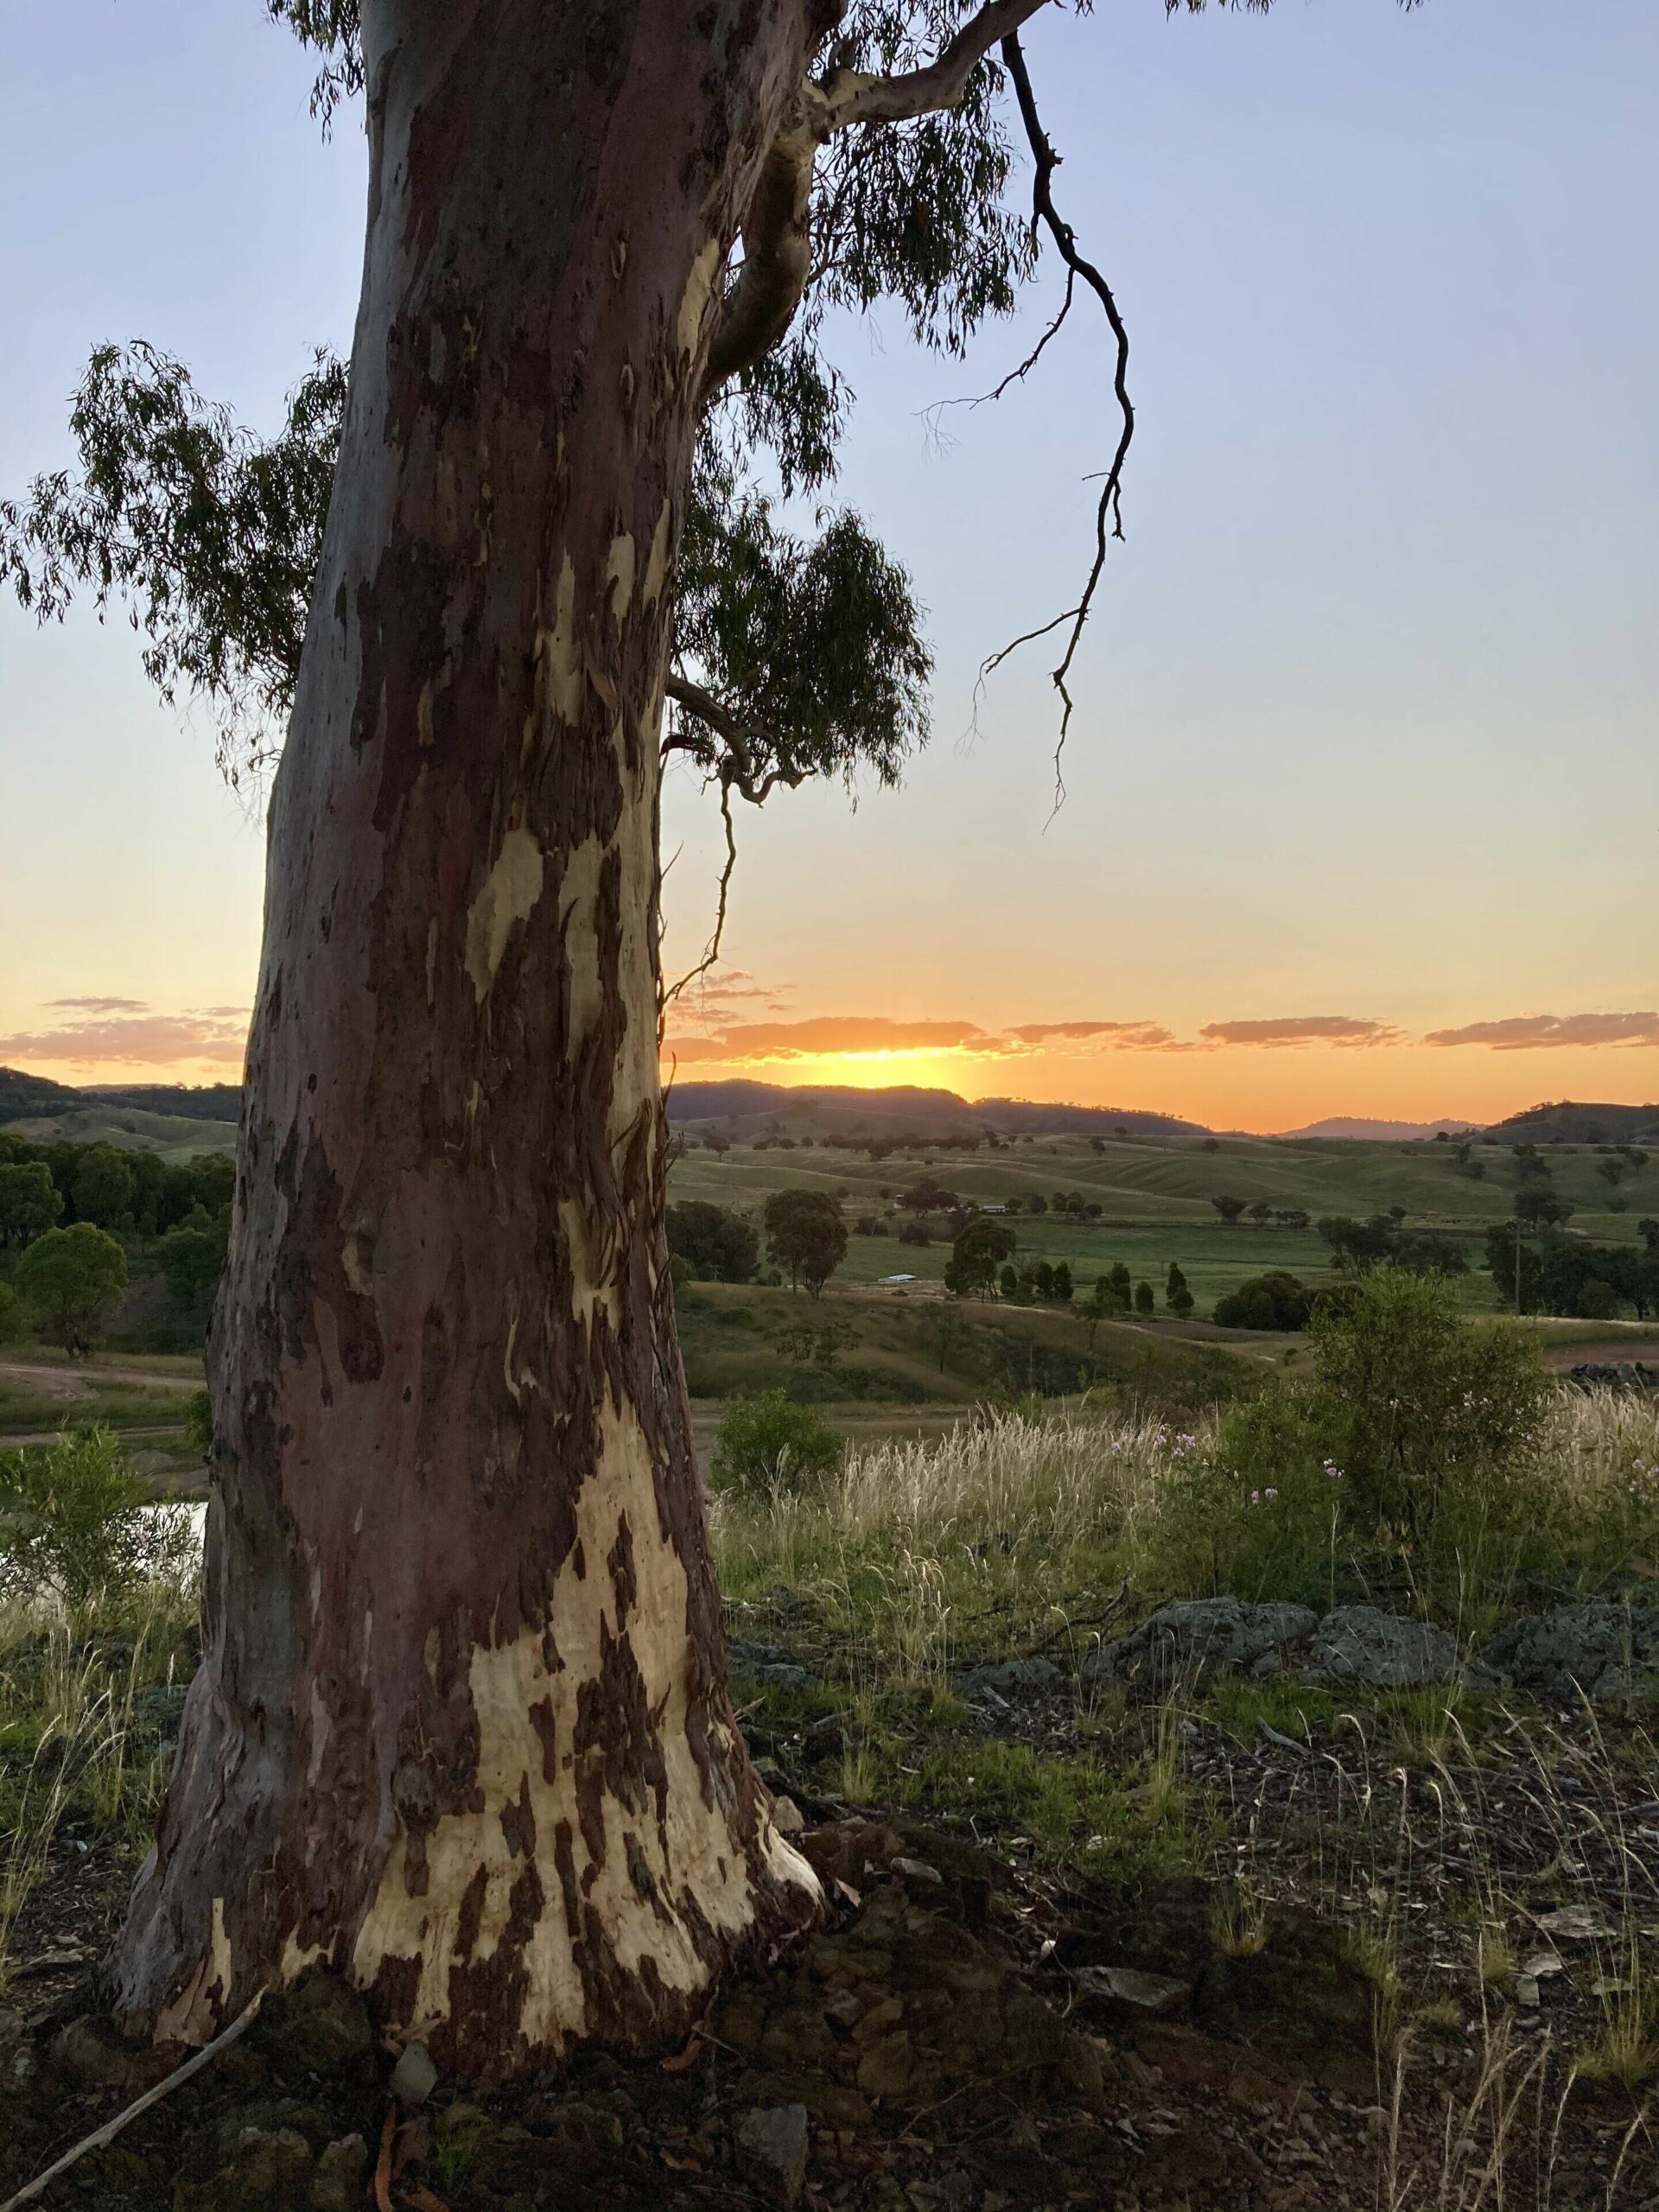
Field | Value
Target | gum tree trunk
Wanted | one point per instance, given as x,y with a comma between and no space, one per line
460,1731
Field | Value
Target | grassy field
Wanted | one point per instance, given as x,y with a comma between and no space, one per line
1156,1196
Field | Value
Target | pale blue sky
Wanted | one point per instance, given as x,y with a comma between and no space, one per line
1366,720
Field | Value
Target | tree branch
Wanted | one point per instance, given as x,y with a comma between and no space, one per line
1109,513
851,97
736,770
777,260
767,289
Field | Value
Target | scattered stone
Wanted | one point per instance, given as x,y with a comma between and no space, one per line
771,2149
768,1662
88,2053
337,2184
413,2077
787,1816
1602,1651
269,2171
917,1870
1525,1989
1148,1993
1573,1924
1540,1965
320,2027
1357,1643
1012,1678
1184,1643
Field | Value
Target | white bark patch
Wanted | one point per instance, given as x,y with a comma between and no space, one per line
695,301
579,929
561,657
656,559
223,1969
508,896
692,1857
618,574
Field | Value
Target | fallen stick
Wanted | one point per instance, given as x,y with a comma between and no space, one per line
112,2128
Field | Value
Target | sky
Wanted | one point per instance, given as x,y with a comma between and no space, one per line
1361,791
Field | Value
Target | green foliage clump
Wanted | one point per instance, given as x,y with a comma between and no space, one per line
805,1234
74,1520
717,1244
767,1443
73,1277
1273,1300
1407,1464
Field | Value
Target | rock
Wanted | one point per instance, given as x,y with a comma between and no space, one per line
1357,1643
1148,1993
768,1662
771,2149
1183,1642
88,2053
917,1870
1600,1651
269,2170
884,2070
320,2026
338,2182
413,2077
1012,1678
787,1816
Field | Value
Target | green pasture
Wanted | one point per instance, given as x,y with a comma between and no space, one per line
1156,1192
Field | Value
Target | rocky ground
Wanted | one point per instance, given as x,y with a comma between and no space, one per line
1372,1991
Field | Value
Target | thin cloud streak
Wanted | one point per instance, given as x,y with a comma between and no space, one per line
1343,1029
1531,1032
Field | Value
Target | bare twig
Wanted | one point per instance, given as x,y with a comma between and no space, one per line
1109,513
112,2128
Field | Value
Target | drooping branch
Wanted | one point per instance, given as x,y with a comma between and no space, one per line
736,768
761,304
1109,513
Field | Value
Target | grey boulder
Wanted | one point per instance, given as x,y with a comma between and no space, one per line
1603,1652
1183,1642
771,2149
1357,1643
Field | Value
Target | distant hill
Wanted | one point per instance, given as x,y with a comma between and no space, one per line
21,1095
1350,1125
173,1118
845,1109
200,1101
1567,1121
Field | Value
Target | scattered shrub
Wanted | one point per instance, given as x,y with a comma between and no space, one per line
767,1443
1410,1463
1274,1300
74,1520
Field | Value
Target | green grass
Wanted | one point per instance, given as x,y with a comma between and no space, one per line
1155,1196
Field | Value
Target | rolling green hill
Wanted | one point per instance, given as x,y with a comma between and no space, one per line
1155,1194
176,1136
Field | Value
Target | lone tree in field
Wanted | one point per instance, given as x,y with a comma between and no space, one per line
805,1235
73,1277
460,1729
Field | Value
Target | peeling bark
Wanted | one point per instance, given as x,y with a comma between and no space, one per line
460,1731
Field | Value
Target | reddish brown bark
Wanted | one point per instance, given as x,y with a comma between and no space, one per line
460,1729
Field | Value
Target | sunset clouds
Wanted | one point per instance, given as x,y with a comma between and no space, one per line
1529,1032
1303,1029
126,1033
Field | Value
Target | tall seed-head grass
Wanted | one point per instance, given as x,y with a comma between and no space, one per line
938,1551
